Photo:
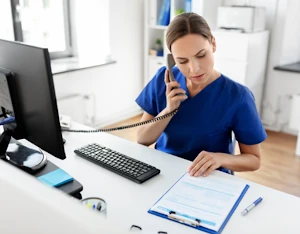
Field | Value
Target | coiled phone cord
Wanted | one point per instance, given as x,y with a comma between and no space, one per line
126,126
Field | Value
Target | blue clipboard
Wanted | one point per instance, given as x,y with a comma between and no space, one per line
199,227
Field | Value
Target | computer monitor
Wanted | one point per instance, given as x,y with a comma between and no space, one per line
28,72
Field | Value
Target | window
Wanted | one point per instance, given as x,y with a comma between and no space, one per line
68,28
6,26
44,23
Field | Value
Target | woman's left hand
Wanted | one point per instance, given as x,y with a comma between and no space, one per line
205,163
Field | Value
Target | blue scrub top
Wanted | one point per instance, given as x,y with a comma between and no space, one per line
206,121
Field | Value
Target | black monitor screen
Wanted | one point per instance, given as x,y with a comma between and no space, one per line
33,95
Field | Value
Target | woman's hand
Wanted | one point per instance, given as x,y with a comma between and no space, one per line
205,163
174,94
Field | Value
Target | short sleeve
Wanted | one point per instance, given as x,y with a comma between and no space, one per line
151,96
247,125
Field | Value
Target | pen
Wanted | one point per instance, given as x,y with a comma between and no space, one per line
255,203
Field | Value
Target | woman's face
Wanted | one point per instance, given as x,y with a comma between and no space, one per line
193,55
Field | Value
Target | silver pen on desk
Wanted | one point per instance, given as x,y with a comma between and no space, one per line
250,207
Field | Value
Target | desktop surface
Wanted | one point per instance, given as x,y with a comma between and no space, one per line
128,202
28,206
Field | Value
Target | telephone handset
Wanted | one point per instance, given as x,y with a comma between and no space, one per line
170,64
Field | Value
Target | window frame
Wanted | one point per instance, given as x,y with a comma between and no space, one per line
18,33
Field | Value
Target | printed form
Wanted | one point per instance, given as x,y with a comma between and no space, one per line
208,199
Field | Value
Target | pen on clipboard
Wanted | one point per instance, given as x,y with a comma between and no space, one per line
250,207
182,219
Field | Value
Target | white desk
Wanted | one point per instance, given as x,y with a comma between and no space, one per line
129,202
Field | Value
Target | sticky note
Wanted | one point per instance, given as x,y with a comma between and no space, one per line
56,178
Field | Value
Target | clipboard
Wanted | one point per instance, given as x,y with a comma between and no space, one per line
196,222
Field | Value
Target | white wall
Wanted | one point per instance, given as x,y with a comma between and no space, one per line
90,27
291,33
280,86
283,21
115,86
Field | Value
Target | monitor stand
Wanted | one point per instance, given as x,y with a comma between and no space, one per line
24,157
7,153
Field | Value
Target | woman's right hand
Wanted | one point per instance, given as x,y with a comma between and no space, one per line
174,94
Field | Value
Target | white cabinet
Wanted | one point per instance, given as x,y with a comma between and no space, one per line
242,57
153,31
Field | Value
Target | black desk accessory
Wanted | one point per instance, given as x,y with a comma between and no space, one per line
39,164
24,157
116,162
72,188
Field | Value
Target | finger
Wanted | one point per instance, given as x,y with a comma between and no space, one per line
199,165
204,167
210,170
178,99
173,85
177,91
196,160
168,88
167,76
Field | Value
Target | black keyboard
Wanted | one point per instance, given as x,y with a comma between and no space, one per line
114,161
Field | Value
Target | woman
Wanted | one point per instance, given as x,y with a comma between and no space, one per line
211,108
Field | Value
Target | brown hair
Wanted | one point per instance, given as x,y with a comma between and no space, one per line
187,23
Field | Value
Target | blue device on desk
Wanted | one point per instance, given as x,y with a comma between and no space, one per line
56,178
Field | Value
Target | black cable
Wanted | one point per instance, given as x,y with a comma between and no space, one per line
126,126
3,112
